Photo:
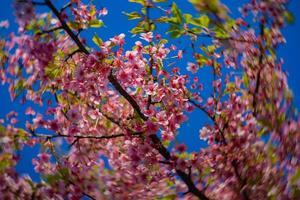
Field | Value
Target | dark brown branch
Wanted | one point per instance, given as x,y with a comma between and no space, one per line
49,31
66,27
260,61
65,7
129,98
47,136
87,195
202,109
220,38
240,180
190,184
36,3
184,176
72,54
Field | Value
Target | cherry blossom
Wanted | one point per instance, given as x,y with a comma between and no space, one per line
107,116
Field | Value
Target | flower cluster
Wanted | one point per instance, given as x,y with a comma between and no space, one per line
111,115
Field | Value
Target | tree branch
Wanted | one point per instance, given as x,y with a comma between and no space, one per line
49,31
261,49
72,54
36,3
65,7
66,27
127,96
47,136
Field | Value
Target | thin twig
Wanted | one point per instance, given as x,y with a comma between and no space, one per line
72,54
66,6
66,27
48,136
36,3
127,96
49,30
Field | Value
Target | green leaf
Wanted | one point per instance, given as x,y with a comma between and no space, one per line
211,48
201,59
93,11
296,176
166,143
206,171
74,25
187,17
163,41
22,134
96,23
204,21
230,87
159,1
52,71
266,123
137,30
196,30
168,197
132,15
2,129
52,178
64,172
19,87
289,17
173,21
163,19
262,131
220,33
271,153
5,161
97,40
175,31
142,2
246,80
4,164
176,13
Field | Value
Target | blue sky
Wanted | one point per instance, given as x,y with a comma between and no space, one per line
117,23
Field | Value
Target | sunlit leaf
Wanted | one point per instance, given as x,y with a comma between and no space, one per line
132,15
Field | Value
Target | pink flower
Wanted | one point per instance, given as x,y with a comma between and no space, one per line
24,12
147,36
173,47
151,128
179,54
181,164
210,101
157,36
181,148
192,67
29,111
131,55
204,133
217,83
54,125
103,12
73,130
139,46
11,114
4,24
44,157
118,40
74,115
